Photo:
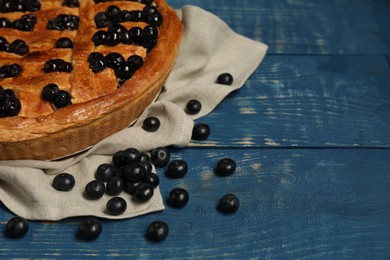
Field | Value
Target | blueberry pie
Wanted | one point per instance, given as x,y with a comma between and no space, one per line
73,72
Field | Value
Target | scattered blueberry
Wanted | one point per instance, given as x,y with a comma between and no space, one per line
50,91
59,98
178,198
130,187
117,159
114,186
62,99
144,157
29,18
201,131
101,20
23,25
3,41
112,11
130,155
228,204
177,169
9,103
150,32
117,28
18,47
99,37
225,167
225,79
152,179
124,71
64,182
160,156
16,227
134,172
95,189
150,9
135,61
116,206
154,19
12,107
64,22
151,124
10,71
143,192
148,167
90,229
5,23
113,38
114,60
60,65
157,231
64,42
96,61
193,107
136,35
126,38
104,172
7,6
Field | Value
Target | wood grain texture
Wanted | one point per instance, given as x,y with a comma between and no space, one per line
311,101
294,203
299,26
309,132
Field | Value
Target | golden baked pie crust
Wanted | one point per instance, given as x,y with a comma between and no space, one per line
78,126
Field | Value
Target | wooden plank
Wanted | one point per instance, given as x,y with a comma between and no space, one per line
316,27
295,203
381,8
307,101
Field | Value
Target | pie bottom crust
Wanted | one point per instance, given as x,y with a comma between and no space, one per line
77,127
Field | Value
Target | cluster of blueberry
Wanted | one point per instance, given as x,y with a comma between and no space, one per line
64,22
131,172
10,71
113,15
9,103
18,46
123,69
131,176
59,98
25,23
57,65
117,33
7,6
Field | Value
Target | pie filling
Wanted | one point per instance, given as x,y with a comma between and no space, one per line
73,72
47,50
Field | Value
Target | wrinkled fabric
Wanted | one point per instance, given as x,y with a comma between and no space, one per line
205,52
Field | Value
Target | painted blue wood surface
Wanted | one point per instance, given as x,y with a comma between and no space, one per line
316,100
307,27
309,132
295,203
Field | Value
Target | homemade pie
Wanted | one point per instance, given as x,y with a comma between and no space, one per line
74,72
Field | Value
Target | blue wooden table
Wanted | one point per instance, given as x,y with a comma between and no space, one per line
310,133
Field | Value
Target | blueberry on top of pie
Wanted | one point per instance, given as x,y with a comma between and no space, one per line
73,72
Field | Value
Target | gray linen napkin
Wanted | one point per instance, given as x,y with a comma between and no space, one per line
205,52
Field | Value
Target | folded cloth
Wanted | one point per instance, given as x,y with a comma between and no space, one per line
205,52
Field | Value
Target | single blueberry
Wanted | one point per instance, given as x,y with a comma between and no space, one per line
64,182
